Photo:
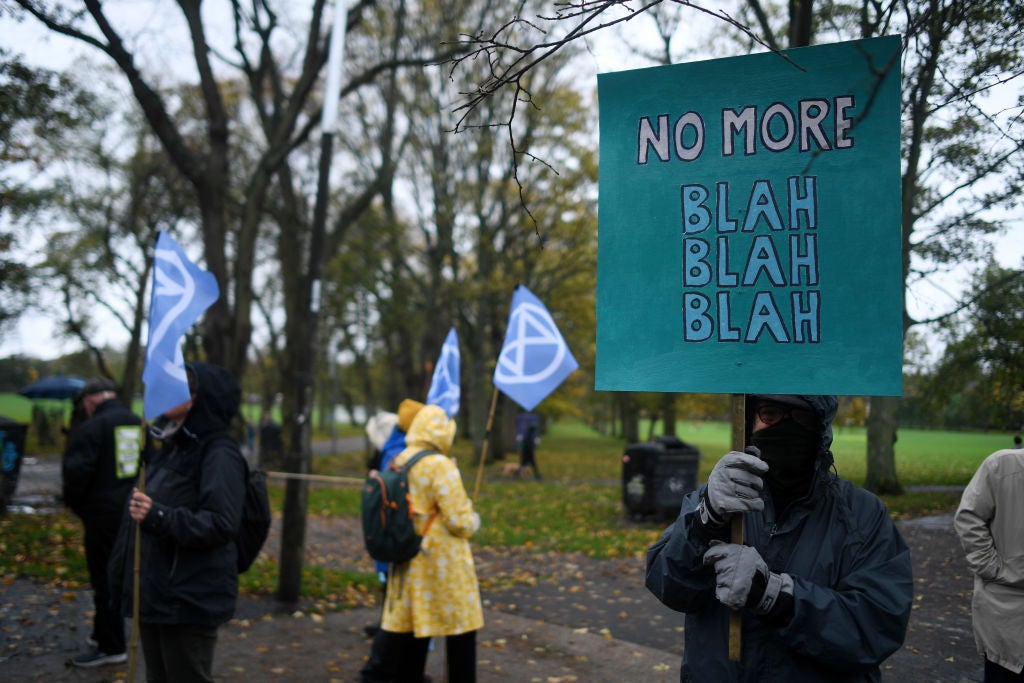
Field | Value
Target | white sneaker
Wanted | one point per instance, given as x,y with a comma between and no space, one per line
97,658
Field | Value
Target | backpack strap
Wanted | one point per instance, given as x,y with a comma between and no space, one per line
405,468
412,461
220,437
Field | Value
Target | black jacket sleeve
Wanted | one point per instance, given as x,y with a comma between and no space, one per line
216,518
78,469
873,598
676,574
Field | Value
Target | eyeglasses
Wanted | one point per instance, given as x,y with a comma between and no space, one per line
772,413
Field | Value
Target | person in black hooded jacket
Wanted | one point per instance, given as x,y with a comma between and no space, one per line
823,579
190,515
95,486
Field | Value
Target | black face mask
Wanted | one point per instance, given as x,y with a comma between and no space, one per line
790,451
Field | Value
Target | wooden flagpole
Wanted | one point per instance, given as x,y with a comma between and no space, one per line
739,439
487,440
136,589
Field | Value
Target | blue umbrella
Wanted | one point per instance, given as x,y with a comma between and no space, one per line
58,387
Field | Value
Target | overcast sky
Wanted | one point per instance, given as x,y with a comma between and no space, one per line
36,336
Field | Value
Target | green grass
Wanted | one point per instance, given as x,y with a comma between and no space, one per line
582,471
923,458
17,408
577,507
330,589
555,517
47,547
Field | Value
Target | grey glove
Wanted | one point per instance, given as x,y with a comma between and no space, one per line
742,578
734,485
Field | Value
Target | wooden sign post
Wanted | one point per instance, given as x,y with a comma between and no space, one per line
739,443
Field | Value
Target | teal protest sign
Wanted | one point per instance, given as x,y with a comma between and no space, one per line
749,229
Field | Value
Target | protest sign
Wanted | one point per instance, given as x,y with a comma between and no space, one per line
749,227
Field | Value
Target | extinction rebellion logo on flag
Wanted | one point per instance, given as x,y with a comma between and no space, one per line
534,359
181,292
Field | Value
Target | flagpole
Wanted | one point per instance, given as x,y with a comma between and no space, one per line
739,438
487,439
135,579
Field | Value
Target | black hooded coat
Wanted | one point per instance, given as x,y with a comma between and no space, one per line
197,483
91,486
852,583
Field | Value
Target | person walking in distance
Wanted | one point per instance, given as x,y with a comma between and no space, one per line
529,439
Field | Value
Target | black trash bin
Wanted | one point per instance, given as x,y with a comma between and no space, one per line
12,448
657,475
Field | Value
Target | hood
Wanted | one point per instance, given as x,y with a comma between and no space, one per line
407,412
431,429
218,396
379,428
824,406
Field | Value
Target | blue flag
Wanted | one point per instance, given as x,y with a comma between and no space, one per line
444,386
534,359
181,292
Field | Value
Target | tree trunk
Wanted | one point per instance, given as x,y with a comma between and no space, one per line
133,357
293,516
478,405
881,428
668,410
295,436
630,421
506,438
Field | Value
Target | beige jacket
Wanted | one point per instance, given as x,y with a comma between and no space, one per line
990,523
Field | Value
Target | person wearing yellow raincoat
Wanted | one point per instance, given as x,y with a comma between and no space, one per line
436,593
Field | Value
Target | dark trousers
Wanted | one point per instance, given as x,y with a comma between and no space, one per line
999,674
178,653
402,658
460,652
527,459
107,623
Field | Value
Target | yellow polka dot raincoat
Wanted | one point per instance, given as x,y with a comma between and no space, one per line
436,593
